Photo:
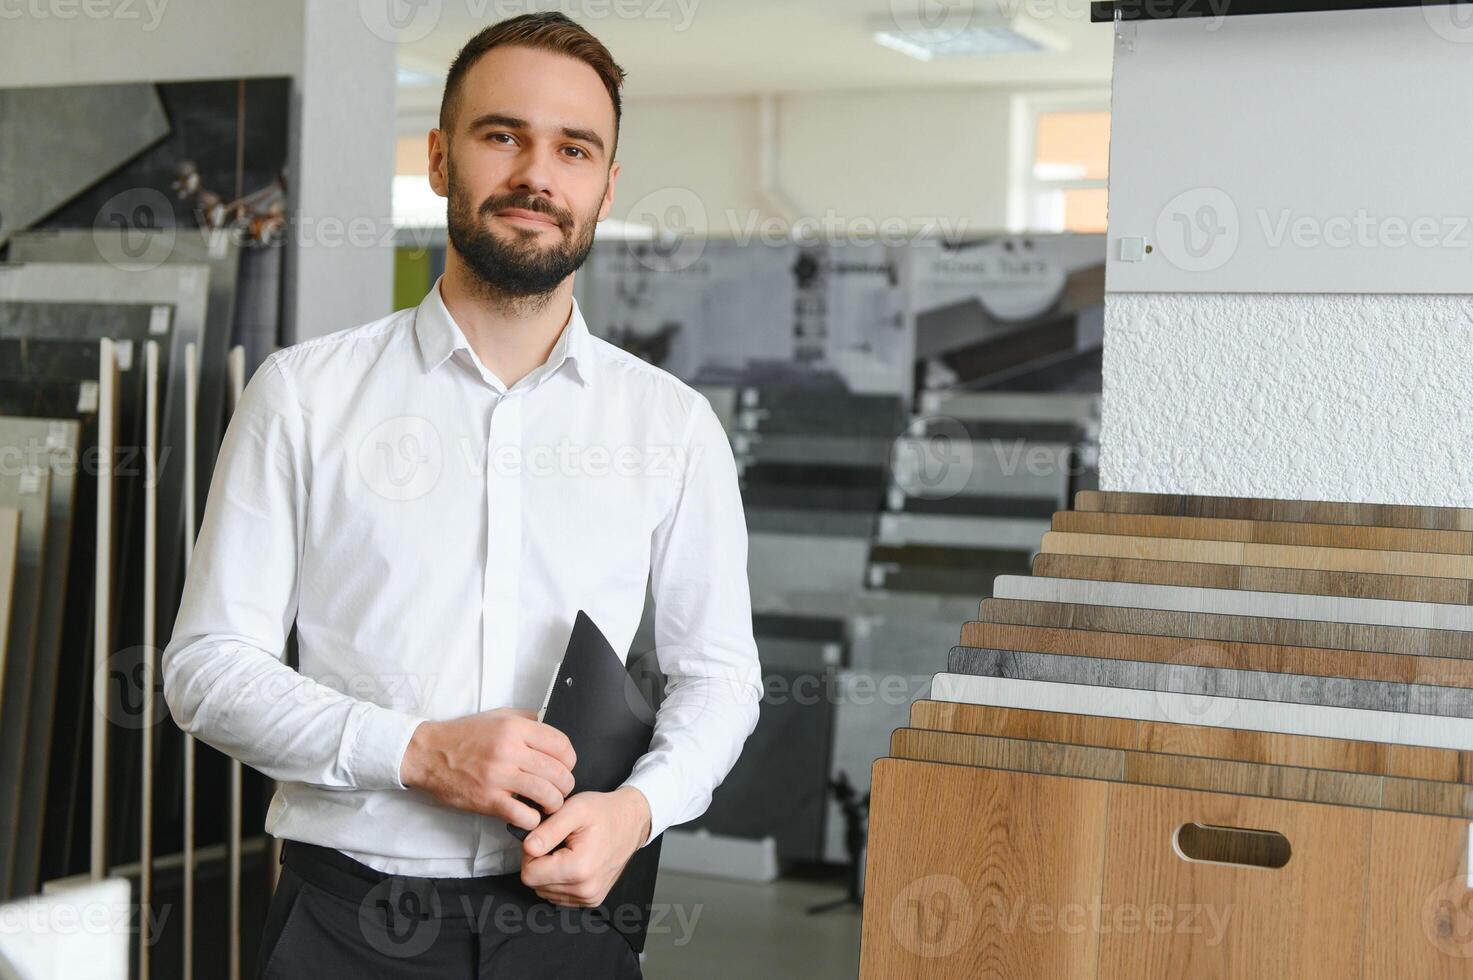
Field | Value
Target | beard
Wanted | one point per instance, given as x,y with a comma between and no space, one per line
519,268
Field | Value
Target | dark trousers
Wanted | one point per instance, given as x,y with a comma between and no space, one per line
333,918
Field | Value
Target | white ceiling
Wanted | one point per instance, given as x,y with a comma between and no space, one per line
679,48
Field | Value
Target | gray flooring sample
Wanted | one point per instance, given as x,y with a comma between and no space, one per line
74,136
1235,602
1343,692
60,441
26,488
1190,709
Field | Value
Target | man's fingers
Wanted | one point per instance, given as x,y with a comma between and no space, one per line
516,813
546,739
550,768
539,791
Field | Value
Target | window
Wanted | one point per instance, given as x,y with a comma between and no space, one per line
1061,163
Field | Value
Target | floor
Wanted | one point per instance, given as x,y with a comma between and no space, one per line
718,928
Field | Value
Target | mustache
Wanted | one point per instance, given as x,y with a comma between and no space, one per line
493,204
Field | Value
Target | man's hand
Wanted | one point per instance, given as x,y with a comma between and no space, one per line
602,831
483,761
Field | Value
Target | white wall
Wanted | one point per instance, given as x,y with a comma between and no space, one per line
911,157
344,97
1359,396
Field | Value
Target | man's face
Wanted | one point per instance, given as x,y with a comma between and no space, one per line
526,168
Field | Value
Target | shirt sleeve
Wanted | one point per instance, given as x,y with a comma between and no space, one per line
703,633
224,675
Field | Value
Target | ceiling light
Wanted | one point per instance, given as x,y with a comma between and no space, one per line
981,35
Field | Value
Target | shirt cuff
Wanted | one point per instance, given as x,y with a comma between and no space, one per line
662,795
378,746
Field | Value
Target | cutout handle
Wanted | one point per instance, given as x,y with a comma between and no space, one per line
1209,844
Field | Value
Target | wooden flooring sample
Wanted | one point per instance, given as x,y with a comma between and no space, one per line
1221,682
1186,772
1440,671
982,873
1236,602
1297,533
1239,553
1189,709
1256,578
1376,758
9,545
1242,629
1271,509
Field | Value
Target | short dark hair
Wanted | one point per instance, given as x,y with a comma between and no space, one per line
549,31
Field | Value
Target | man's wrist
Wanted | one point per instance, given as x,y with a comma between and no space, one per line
414,763
641,806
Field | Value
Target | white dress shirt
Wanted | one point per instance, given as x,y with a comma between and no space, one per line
434,533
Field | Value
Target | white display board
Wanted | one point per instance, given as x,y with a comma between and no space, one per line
1321,152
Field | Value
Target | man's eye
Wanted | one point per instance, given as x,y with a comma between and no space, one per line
578,150
498,135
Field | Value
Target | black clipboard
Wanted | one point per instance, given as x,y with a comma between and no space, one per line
596,703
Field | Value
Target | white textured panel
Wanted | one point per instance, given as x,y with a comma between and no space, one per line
1315,397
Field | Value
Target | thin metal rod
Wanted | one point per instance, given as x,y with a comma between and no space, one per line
191,402
150,637
236,367
107,395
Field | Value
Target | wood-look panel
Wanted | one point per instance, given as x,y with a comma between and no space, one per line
1428,932
1274,509
1243,629
9,548
983,873
951,852
1256,578
1289,690
1196,709
1193,651
1239,553
1236,602
1185,772
1296,533
1272,748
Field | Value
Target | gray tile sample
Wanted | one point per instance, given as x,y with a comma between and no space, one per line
1013,406
815,449
61,445
192,246
1343,692
997,468
794,520
777,563
74,135
1001,533
186,288
1236,602
1391,727
25,486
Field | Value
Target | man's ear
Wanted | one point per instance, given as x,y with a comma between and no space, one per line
439,157
608,203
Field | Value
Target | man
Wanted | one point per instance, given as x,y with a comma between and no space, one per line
433,497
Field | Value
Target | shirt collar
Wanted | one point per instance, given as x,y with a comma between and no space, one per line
439,336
